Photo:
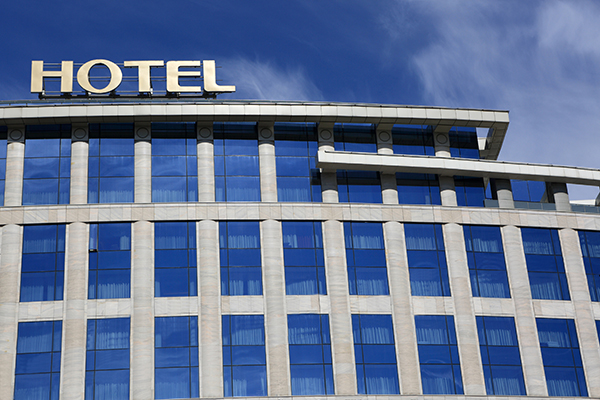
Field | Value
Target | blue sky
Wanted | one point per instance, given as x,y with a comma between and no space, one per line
538,59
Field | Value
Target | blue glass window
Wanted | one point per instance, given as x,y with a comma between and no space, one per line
590,248
418,189
545,264
469,191
244,360
426,260
175,259
561,357
47,165
310,354
298,178
413,140
365,256
176,373
485,256
111,163
37,373
303,258
107,359
357,186
43,262
438,354
240,258
174,162
529,191
375,354
3,133
500,356
237,172
464,143
110,261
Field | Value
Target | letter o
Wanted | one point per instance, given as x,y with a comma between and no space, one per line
83,76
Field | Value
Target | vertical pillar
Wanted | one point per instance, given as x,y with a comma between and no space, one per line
584,314
211,348
529,345
447,191
142,318
466,326
79,163
340,316
143,163
389,187
328,177
266,154
10,270
404,320
74,325
561,196
206,163
441,140
504,193
275,312
15,157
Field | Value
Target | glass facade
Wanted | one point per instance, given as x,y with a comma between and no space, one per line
529,191
240,258
3,148
175,272
375,354
469,191
244,359
47,165
413,140
590,248
43,263
303,258
426,260
365,257
485,256
463,142
545,265
110,261
310,355
107,359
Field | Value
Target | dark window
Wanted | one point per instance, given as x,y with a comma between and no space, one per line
303,258
413,140
110,261
562,357
438,354
485,256
47,164
426,260
500,356
107,359
37,373
590,248
3,133
375,354
244,360
237,172
111,163
310,355
174,162
418,189
545,264
176,373
298,178
464,143
365,256
469,191
43,263
240,258
530,191
175,259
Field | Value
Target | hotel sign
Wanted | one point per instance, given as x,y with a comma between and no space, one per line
170,80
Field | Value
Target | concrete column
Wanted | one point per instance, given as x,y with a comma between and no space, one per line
584,314
75,324
211,348
10,270
529,345
441,140
79,163
561,196
206,163
266,154
273,273
15,157
143,163
389,188
464,314
142,318
344,372
384,139
447,191
504,193
328,177
404,321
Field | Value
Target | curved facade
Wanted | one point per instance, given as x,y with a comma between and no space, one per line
242,249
